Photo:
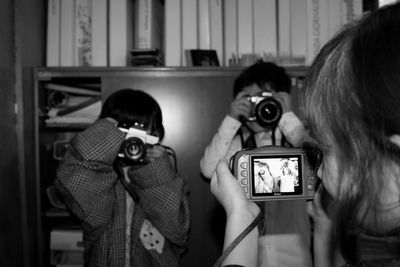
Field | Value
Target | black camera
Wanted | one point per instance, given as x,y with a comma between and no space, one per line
275,173
265,109
133,148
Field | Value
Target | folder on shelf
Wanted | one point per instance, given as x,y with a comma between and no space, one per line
79,108
71,89
66,239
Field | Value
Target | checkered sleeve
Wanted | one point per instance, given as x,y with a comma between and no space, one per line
85,177
163,195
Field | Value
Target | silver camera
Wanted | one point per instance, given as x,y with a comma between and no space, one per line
265,109
133,148
275,173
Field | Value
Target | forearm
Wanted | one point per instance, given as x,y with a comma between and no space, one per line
293,129
87,192
163,197
246,252
220,146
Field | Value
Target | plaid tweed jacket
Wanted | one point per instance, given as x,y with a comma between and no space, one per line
91,190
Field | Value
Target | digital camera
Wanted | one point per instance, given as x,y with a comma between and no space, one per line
265,109
133,148
275,173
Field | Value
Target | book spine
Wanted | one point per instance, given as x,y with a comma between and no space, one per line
118,32
265,29
99,32
230,31
83,33
172,31
298,27
53,34
245,29
317,27
284,38
143,23
352,9
67,30
189,30
204,24
216,28
335,17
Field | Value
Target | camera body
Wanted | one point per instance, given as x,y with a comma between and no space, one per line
133,148
265,109
275,173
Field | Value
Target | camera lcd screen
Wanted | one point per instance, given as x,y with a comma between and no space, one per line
276,175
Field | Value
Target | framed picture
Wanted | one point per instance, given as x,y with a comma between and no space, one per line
205,58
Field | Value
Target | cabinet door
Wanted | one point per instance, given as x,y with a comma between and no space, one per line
193,106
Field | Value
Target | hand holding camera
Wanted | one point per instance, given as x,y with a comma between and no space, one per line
228,191
240,107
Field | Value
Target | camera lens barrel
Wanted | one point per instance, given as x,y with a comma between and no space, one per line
133,149
268,112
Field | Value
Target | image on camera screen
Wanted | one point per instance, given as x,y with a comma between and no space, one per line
274,175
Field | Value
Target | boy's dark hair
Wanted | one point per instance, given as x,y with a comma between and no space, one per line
128,106
262,73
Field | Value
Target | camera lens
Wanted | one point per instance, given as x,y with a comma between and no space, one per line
133,149
268,112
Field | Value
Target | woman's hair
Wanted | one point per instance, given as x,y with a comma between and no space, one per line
128,106
351,102
262,73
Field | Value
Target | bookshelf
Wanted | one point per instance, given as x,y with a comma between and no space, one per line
193,101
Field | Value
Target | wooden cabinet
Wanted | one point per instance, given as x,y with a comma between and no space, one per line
193,101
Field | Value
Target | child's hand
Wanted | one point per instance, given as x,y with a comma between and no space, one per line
226,188
284,99
154,152
240,107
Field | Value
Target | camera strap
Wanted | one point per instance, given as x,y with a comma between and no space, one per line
121,172
258,221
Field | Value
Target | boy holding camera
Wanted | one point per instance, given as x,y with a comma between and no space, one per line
260,115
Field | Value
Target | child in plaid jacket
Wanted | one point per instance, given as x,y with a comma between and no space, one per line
149,229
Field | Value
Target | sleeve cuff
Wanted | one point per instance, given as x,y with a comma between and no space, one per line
155,173
229,127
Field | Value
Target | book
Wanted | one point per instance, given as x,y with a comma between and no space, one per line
265,28
335,17
230,31
99,33
172,33
351,9
317,27
284,41
67,31
83,33
298,28
245,28
66,239
53,34
71,89
189,28
120,31
149,16
203,15
216,34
